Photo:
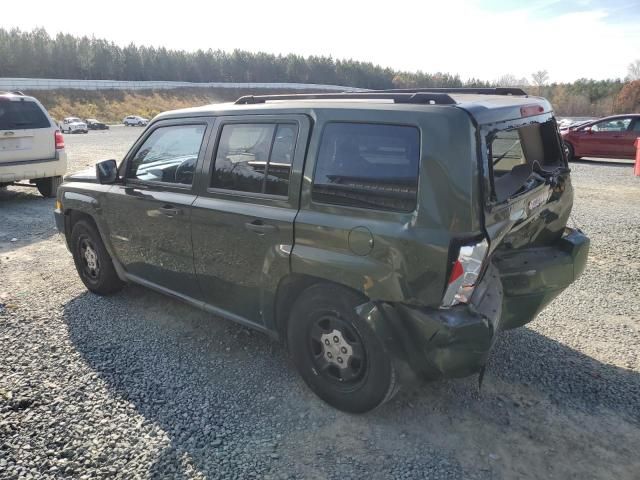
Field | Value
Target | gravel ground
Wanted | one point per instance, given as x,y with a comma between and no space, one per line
138,385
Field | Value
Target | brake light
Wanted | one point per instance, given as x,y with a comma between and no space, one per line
456,272
59,139
465,273
530,110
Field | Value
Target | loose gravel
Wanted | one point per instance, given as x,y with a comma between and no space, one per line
141,386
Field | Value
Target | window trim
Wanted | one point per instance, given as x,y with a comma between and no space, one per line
251,120
127,165
374,209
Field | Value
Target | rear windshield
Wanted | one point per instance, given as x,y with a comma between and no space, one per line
21,115
518,153
368,165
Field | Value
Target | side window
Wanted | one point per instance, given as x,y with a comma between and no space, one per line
636,126
368,165
619,125
169,154
255,158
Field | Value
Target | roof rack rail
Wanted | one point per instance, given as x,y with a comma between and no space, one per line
424,98
476,91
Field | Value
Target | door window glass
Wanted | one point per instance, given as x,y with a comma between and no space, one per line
619,125
169,154
368,165
255,158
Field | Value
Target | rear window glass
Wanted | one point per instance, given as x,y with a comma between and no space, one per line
21,115
368,165
518,153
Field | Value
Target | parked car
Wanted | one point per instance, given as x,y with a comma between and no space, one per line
73,125
373,233
609,137
31,146
93,124
134,120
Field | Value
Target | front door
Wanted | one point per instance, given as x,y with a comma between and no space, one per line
606,138
149,214
242,222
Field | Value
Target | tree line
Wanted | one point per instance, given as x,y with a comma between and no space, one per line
36,54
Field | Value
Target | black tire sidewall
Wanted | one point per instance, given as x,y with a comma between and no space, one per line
48,187
107,281
379,378
570,151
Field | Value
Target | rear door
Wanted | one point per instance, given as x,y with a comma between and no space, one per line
629,139
26,133
242,221
149,214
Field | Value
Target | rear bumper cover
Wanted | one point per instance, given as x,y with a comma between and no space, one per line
32,169
456,342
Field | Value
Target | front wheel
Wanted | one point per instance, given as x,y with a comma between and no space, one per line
336,352
569,153
92,260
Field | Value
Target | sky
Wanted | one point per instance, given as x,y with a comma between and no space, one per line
484,39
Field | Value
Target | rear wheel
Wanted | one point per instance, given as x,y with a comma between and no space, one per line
48,186
336,352
92,260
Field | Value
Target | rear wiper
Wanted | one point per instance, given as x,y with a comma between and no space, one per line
505,153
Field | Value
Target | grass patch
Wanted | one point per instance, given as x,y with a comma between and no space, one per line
112,106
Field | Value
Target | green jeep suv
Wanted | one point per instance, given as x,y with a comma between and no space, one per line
380,235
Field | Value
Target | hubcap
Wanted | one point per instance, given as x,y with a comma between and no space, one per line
89,258
337,350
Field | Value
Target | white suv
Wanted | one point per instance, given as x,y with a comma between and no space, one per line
31,146
135,120
73,125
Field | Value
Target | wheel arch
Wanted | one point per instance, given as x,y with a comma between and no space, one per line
73,216
289,289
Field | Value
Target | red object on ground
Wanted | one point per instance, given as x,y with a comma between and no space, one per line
636,168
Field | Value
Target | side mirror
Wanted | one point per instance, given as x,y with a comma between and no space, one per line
107,171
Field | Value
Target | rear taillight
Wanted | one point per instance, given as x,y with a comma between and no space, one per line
59,140
465,273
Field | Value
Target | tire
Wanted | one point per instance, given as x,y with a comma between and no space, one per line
569,152
92,260
48,186
326,313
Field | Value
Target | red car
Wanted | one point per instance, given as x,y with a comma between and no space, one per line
609,137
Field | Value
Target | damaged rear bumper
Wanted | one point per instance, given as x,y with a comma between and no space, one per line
439,343
533,277
456,342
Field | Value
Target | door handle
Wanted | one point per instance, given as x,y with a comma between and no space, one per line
170,211
259,227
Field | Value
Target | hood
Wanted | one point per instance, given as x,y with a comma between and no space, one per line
86,175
